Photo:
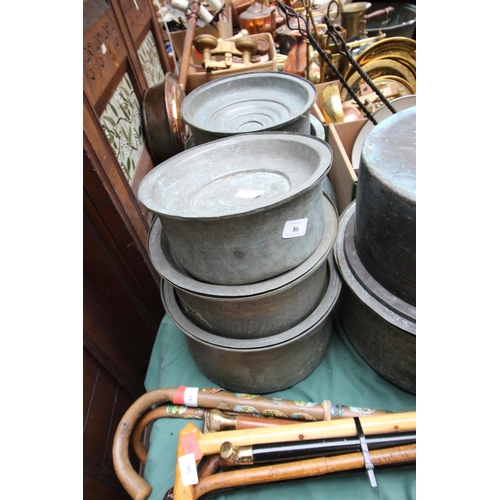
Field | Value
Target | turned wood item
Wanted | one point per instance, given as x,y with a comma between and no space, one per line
400,455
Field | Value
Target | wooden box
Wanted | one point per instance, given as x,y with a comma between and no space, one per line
198,76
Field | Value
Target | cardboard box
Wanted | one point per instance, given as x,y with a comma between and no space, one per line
341,175
341,137
348,132
197,75
178,37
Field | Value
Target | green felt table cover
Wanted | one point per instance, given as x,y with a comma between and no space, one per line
343,377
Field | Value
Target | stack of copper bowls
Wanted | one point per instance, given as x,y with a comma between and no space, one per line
243,241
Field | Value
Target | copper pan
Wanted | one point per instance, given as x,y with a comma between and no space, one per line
165,130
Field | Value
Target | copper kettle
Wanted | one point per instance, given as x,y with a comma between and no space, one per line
259,18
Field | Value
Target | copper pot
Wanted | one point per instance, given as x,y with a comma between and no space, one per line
258,18
237,8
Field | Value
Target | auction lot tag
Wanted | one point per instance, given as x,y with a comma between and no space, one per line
294,228
187,466
187,396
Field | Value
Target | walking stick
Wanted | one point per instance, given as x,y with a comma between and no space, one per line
258,454
213,421
401,455
210,444
139,489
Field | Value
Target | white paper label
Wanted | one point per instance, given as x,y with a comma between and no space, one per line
187,466
249,193
295,228
191,396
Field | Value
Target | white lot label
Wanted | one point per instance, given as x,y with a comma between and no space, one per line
295,228
187,466
191,396
249,193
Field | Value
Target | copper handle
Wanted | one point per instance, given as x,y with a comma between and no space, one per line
379,13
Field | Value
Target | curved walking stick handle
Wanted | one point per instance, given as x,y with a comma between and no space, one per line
136,486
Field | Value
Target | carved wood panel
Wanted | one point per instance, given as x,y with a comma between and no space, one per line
104,52
137,15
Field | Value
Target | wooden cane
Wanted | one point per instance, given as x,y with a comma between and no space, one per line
209,444
400,455
155,414
213,421
139,489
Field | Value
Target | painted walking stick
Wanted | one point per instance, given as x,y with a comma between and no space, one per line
254,404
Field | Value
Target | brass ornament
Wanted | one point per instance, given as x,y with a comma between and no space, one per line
332,104
377,68
388,47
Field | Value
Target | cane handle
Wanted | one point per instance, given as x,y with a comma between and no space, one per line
181,491
137,434
136,486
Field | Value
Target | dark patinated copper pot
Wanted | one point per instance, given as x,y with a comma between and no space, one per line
261,365
376,252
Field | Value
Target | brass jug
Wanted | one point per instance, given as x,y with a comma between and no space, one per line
353,18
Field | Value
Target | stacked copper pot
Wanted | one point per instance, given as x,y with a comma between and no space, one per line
243,242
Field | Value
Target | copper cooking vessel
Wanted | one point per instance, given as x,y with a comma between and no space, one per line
237,8
258,18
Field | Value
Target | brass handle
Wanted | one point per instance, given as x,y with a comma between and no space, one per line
247,47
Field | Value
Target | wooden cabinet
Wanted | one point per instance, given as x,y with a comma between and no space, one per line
122,47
